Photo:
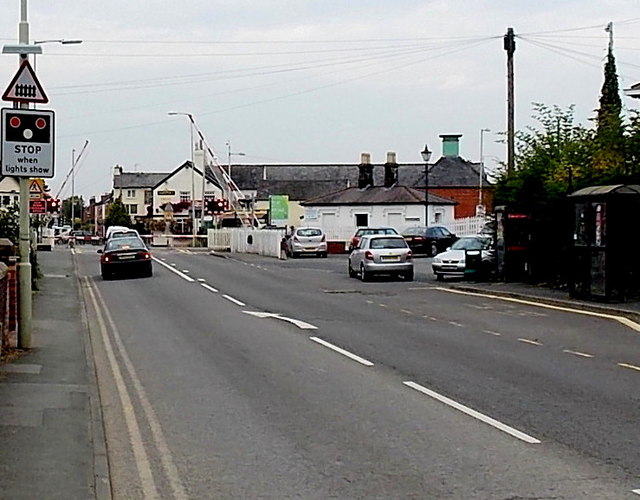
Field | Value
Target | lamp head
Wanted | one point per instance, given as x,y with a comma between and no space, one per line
426,154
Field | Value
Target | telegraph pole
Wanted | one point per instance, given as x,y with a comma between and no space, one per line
510,47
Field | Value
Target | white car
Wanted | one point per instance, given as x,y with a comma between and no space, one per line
454,261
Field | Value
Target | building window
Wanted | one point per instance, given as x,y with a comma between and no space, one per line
16,200
185,196
362,220
148,197
132,209
131,193
6,200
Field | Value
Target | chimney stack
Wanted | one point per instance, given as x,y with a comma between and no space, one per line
390,170
451,144
365,171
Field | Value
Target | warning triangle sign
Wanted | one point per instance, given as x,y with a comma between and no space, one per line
25,86
36,186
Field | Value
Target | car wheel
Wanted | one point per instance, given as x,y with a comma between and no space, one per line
408,276
323,255
364,275
439,277
434,249
295,255
352,273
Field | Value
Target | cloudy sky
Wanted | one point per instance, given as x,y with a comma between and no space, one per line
307,81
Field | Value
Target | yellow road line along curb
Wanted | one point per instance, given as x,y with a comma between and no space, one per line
620,319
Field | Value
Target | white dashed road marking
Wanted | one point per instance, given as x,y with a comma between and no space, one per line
342,351
473,413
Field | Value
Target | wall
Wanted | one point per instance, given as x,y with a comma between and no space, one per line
467,199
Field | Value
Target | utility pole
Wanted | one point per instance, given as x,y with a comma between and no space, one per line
25,308
510,47
73,187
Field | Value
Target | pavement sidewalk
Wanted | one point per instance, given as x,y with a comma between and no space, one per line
51,435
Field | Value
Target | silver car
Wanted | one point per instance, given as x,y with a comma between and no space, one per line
307,240
453,263
381,254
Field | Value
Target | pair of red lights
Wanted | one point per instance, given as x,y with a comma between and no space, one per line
15,122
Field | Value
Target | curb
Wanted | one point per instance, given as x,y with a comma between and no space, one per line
101,471
575,304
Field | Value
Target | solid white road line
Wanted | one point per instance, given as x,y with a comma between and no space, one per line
235,301
620,319
578,353
210,288
182,275
143,464
342,351
166,458
473,413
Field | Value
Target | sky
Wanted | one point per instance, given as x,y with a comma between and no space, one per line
307,81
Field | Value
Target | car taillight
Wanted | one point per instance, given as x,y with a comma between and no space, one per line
368,255
409,255
145,255
419,238
105,258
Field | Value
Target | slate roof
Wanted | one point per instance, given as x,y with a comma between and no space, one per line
379,195
303,182
138,180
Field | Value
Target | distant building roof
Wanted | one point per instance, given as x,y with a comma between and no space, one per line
454,171
138,180
379,195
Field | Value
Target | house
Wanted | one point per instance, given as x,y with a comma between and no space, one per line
450,177
458,179
633,92
9,191
390,204
135,189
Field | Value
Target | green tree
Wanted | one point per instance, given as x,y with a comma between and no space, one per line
609,161
117,215
10,223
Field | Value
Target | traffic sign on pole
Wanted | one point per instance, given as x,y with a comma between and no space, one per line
27,145
25,86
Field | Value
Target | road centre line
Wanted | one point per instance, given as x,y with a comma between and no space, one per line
627,365
210,288
342,351
182,275
578,353
235,301
529,341
473,413
491,332
620,319
303,325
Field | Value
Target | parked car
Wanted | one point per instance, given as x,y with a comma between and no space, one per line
381,254
428,240
125,256
453,262
369,230
306,240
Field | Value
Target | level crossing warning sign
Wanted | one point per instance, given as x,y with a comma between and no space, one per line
25,86
27,145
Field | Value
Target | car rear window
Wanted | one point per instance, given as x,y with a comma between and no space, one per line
309,232
414,230
122,243
388,243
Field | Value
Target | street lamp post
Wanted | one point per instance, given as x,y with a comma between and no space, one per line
62,41
193,188
426,156
480,205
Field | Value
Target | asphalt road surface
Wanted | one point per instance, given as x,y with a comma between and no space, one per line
250,377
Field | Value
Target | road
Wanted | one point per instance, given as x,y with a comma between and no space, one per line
249,377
